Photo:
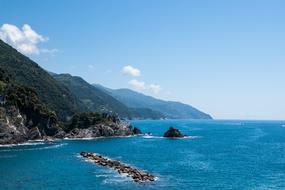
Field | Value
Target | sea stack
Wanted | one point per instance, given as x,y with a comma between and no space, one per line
173,133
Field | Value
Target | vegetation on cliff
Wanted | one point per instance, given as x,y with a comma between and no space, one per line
87,119
97,100
23,71
36,113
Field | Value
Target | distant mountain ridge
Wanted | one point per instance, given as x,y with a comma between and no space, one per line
171,109
67,95
97,100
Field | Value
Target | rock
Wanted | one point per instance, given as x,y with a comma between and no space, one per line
12,129
60,134
80,133
135,174
34,134
101,130
137,131
107,131
173,133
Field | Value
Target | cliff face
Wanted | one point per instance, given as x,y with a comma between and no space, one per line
15,128
23,117
90,125
101,130
12,128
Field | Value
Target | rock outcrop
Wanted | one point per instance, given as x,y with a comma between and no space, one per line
135,174
34,134
12,129
137,131
173,133
101,130
15,129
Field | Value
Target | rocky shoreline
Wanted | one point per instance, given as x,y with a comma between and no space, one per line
137,175
16,128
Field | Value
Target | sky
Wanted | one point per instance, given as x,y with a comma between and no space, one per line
224,57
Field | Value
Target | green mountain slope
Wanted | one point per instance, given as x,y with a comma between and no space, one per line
170,109
25,72
98,101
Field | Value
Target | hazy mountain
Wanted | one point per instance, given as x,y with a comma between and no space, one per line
97,100
170,109
66,94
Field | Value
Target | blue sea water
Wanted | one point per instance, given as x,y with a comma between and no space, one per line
216,155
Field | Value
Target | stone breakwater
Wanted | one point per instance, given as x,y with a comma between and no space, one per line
137,175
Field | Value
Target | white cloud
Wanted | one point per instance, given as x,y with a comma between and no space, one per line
25,40
143,87
138,85
154,88
131,71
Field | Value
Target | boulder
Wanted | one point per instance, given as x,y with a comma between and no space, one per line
173,133
34,134
137,131
107,131
60,134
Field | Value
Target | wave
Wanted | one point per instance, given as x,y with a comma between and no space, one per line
38,148
116,179
152,137
158,137
283,125
101,175
95,138
30,143
192,137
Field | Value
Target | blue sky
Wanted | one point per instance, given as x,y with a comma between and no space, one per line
223,57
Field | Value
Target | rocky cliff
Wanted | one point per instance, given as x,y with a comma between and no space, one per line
13,129
23,117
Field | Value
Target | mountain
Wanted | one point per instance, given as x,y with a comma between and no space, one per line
170,109
24,117
67,95
31,101
97,100
24,71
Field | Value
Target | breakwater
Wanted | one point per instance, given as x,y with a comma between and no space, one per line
136,174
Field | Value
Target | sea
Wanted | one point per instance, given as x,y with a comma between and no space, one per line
216,154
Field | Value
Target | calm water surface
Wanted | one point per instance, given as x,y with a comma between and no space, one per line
217,155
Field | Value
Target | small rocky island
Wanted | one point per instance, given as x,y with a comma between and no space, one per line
173,133
137,175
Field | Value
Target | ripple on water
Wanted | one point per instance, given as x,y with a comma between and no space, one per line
32,143
54,146
195,161
158,137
